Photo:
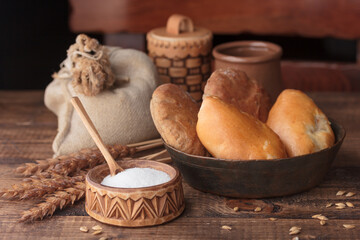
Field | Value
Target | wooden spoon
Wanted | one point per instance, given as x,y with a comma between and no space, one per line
113,166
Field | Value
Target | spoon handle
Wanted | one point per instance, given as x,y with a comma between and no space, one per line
95,135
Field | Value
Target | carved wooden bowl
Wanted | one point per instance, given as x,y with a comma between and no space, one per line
257,178
134,207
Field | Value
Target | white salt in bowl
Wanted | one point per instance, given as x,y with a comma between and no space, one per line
134,207
136,178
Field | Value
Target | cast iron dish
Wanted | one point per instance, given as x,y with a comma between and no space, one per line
257,178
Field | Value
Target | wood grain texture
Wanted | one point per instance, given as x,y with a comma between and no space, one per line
306,18
205,214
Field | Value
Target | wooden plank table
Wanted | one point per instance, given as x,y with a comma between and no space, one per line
27,130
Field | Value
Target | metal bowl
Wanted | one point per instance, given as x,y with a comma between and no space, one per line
257,178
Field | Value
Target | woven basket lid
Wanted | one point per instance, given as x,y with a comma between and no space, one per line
179,39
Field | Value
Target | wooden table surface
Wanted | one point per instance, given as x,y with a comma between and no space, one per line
27,130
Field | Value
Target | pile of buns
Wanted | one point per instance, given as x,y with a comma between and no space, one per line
236,121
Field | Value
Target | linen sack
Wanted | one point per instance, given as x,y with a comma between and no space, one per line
121,114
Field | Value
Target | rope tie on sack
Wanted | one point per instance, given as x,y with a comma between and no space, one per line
90,73
65,73
94,57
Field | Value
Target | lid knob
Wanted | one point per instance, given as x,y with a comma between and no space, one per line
177,24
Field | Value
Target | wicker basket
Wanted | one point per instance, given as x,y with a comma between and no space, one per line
181,53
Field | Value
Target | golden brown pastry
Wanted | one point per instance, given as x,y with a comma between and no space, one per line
234,87
301,125
228,133
174,113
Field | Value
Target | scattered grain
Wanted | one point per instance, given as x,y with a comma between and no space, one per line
225,227
340,205
349,204
348,226
350,194
294,230
272,219
103,238
323,218
295,238
340,193
322,222
320,217
316,216
328,205
236,209
257,209
96,228
84,229
97,232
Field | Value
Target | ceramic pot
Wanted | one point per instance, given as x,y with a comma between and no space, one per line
260,61
182,54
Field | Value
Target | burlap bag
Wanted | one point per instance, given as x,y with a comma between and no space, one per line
121,113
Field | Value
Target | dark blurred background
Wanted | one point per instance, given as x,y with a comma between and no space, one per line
35,36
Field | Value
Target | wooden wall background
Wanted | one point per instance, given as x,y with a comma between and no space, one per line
304,20
316,35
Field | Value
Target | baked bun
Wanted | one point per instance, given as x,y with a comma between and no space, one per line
174,113
229,133
300,124
234,87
